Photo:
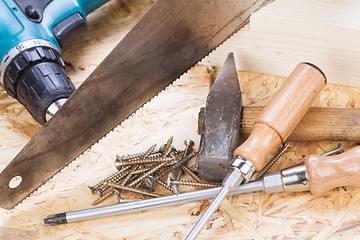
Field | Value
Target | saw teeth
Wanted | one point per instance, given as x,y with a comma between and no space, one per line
266,2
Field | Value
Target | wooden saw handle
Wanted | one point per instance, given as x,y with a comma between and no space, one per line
283,113
326,173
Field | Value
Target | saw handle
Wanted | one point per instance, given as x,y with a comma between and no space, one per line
326,173
282,114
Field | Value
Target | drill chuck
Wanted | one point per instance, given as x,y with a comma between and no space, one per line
36,77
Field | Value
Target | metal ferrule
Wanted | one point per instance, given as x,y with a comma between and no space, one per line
54,107
13,52
295,179
273,182
246,167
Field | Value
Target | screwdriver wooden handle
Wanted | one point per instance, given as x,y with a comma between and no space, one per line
283,113
326,173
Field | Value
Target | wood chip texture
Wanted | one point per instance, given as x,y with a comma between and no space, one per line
173,112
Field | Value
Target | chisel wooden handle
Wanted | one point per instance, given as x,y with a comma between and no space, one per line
326,173
283,113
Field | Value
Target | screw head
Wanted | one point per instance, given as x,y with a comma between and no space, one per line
189,143
340,148
211,69
286,146
149,184
162,148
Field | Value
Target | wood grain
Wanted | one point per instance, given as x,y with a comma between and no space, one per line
282,114
318,124
332,216
291,31
326,173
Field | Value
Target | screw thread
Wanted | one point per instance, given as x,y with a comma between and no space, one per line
128,177
131,189
188,144
190,173
195,184
101,189
138,155
148,173
149,151
211,70
102,198
109,178
273,161
174,166
148,160
142,170
119,163
164,185
197,163
167,148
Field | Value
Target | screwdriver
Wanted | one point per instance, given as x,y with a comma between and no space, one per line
318,174
270,130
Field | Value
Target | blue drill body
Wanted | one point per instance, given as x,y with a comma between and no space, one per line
31,35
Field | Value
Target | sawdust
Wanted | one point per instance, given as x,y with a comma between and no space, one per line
173,113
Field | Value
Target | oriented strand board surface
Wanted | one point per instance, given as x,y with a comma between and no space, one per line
173,113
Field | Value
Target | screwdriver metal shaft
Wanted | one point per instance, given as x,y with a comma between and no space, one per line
208,213
270,130
146,204
293,179
230,183
290,179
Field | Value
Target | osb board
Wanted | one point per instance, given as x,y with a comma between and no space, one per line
173,113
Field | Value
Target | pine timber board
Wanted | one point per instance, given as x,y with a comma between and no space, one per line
334,215
278,37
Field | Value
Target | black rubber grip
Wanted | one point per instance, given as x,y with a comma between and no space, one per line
40,86
37,78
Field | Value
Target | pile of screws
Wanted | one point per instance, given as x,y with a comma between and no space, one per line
139,172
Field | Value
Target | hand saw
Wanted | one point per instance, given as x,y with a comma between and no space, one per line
169,39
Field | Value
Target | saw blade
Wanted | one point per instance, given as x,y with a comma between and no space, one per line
169,39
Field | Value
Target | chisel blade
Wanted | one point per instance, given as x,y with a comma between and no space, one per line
169,39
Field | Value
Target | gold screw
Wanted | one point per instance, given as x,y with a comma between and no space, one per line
148,173
110,178
148,160
211,70
138,155
102,198
171,168
273,161
164,185
195,184
103,188
167,148
191,173
131,189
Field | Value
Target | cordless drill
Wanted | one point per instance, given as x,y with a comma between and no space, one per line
31,35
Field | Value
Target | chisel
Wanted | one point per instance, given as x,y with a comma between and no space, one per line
319,174
270,130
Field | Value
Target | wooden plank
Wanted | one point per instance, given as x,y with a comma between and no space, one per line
287,32
318,124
